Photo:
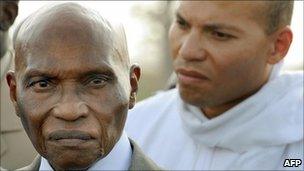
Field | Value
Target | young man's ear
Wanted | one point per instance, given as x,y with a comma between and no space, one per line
11,81
134,81
281,42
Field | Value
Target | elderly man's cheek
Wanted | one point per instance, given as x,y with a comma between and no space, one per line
38,103
32,122
111,117
30,110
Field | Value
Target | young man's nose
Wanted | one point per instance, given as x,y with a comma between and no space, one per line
191,47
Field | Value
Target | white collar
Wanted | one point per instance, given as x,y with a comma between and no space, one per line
272,116
118,159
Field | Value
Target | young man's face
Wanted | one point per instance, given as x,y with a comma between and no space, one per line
72,97
219,51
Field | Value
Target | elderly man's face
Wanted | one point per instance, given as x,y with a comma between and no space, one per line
72,96
220,51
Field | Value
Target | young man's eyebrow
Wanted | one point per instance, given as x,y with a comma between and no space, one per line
218,26
211,26
179,16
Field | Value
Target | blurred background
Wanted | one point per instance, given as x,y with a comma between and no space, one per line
147,23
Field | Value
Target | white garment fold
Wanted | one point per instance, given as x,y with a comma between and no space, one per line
276,70
257,134
257,121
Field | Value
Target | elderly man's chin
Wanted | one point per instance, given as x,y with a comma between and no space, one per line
65,158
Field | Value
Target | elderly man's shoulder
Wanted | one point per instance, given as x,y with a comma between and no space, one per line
33,166
139,161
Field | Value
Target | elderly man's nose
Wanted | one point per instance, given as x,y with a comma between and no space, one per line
191,47
71,110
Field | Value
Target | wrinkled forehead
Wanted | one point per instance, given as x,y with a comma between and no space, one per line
66,31
73,25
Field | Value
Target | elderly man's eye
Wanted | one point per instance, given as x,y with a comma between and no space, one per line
97,82
43,84
40,85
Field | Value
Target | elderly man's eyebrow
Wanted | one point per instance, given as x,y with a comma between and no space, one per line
109,73
34,72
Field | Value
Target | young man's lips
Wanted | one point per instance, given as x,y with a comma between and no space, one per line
190,76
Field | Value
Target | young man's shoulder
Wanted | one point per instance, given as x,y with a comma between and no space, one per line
160,99
148,112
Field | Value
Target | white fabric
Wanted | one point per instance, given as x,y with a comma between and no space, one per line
118,159
276,70
257,134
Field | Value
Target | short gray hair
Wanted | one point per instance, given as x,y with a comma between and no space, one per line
277,14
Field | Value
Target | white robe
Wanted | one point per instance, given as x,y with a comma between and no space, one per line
257,134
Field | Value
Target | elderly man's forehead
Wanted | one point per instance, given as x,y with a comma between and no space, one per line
63,19
72,24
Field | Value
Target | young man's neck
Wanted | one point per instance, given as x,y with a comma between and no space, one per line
214,111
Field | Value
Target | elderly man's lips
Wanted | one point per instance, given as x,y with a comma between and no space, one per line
69,134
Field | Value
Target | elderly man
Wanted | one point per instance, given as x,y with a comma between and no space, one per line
72,87
12,132
232,110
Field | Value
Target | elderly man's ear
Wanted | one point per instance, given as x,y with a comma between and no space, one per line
8,14
11,81
134,80
281,43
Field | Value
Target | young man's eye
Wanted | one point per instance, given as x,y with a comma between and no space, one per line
221,36
181,23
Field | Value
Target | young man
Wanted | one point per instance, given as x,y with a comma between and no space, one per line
232,110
